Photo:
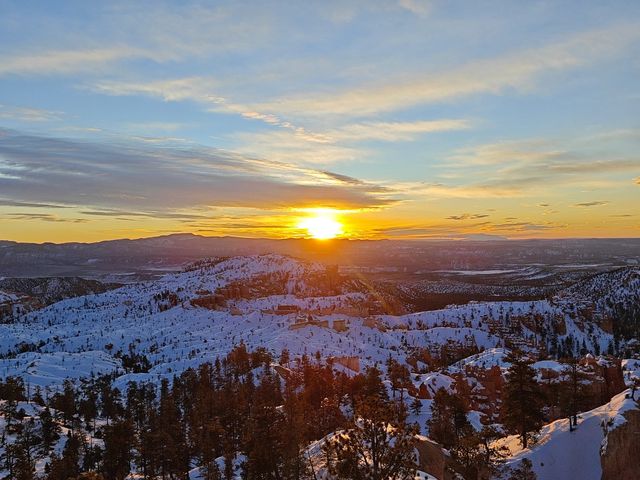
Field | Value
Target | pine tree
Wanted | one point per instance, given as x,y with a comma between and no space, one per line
12,392
174,456
476,456
24,468
65,402
416,406
524,471
377,445
523,401
292,435
28,442
573,393
68,465
49,429
118,440
448,422
263,439
88,407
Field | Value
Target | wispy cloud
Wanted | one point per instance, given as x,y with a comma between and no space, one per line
27,114
129,176
521,227
591,204
467,216
528,167
201,90
136,32
65,61
45,217
419,7
394,131
12,203
519,70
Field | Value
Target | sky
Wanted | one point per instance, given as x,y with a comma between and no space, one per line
413,119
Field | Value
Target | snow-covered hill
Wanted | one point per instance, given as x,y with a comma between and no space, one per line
561,453
191,317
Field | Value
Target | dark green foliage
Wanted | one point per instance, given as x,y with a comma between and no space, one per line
524,471
523,401
376,445
448,422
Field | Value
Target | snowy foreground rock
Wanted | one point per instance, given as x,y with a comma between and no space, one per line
605,444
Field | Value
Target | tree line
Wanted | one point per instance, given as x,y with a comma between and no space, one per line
246,415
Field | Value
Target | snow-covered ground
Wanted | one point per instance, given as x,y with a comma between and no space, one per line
559,453
85,335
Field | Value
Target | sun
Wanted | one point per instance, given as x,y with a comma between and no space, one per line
322,226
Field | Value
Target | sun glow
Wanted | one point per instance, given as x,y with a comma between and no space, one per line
322,225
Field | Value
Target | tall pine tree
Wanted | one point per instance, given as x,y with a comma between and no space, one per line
523,401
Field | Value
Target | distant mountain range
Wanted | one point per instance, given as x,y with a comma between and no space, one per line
148,258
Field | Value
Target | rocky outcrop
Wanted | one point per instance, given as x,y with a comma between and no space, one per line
620,455
433,459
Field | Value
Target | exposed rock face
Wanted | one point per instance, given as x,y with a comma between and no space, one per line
608,371
433,459
621,458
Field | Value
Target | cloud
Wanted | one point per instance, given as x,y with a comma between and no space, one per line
419,7
591,204
395,131
156,126
477,230
136,32
521,227
196,89
123,177
150,214
437,232
13,203
45,217
519,70
202,90
65,61
340,144
342,178
467,216
26,114
528,167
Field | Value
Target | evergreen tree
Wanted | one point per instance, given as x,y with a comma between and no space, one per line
12,392
28,442
524,471
65,402
24,468
377,445
263,434
574,393
523,401
476,456
68,466
49,429
118,440
448,422
416,406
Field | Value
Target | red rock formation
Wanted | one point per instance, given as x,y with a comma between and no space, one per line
621,458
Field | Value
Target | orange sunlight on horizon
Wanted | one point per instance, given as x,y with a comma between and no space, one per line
322,225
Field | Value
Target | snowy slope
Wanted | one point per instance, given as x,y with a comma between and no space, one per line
560,454
158,320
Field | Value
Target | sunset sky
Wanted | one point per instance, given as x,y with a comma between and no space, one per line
407,119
